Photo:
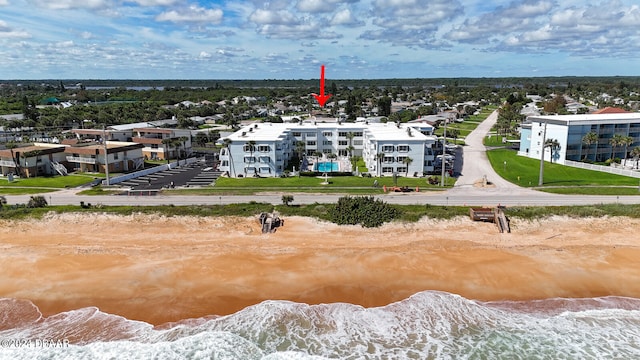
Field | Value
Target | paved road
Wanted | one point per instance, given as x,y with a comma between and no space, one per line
475,166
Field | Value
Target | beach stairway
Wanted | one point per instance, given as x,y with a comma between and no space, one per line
494,215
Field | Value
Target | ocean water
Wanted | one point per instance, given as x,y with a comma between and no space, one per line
428,325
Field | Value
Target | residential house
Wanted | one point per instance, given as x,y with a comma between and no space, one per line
163,143
39,159
94,157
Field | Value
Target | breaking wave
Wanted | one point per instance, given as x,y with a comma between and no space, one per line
428,325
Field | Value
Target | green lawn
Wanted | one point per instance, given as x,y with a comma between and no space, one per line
337,185
59,182
524,171
44,183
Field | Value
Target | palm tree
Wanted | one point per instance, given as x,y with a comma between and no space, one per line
379,157
182,140
635,152
301,147
226,143
589,139
615,141
168,143
331,157
626,141
350,136
553,145
407,161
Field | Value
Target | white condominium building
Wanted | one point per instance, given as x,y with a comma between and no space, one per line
267,149
569,131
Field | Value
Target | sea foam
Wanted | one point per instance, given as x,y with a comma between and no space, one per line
428,325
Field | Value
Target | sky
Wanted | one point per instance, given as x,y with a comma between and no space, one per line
354,39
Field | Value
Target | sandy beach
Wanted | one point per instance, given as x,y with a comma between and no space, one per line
163,269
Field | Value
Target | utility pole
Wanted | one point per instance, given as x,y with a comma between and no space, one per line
106,155
444,151
544,138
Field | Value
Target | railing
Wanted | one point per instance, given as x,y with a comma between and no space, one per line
80,159
607,169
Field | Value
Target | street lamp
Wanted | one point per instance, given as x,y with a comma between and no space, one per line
544,138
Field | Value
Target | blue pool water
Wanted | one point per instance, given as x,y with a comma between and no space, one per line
326,166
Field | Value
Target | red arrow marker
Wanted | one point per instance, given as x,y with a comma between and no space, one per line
322,98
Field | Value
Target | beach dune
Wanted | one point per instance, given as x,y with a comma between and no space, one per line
162,269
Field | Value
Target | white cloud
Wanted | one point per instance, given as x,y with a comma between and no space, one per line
4,2
411,23
156,2
73,4
264,17
314,6
345,18
7,32
192,14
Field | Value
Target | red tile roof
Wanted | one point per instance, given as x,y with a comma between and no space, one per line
611,110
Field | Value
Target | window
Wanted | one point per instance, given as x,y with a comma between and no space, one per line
154,146
326,142
249,148
403,148
265,159
402,169
115,156
326,151
264,148
357,142
357,133
311,143
343,142
297,134
387,148
224,163
387,159
249,159
400,159
342,152
387,169
265,170
327,134
311,135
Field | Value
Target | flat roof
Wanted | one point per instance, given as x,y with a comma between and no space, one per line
587,119
379,131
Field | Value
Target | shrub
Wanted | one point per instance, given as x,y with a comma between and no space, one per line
363,210
286,199
37,201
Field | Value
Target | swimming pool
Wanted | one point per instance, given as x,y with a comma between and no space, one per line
326,166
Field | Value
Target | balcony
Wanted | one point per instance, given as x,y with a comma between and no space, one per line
81,159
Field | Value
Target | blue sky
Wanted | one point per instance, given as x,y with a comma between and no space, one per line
177,39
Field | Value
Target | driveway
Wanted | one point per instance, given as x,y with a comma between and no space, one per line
476,165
